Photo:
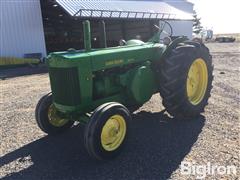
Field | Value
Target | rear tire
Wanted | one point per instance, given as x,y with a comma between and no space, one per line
175,77
43,114
106,131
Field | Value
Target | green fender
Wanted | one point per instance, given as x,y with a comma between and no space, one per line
173,45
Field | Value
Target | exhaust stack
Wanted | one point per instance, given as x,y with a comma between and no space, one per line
87,35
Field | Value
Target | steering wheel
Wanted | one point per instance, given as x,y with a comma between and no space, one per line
165,28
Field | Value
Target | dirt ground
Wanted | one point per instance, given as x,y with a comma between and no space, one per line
156,146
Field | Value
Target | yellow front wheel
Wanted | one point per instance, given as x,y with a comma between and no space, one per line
54,119
106,131
48,118
113,132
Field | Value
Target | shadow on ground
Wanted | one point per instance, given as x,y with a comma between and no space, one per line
22,71
156,146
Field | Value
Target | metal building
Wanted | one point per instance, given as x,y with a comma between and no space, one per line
39,27
21,29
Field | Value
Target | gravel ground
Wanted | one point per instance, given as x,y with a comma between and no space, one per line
156,146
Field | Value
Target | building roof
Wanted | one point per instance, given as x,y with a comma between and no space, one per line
123,9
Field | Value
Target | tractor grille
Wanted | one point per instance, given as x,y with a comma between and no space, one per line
65,86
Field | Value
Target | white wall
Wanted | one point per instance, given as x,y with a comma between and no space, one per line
182,27
21,28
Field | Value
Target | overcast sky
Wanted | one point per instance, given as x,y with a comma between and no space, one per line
223,16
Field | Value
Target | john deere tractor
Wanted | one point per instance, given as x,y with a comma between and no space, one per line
101,87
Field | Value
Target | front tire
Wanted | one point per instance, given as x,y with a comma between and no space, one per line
186,80
48,119
106,131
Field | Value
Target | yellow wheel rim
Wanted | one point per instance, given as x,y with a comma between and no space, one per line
197,81
113,133
54,119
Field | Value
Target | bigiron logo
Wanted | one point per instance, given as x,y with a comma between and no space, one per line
201,171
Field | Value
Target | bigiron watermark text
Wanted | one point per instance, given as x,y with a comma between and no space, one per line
201,171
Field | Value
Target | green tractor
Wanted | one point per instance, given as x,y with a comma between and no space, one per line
101,87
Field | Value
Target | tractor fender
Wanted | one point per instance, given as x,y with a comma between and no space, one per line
173,45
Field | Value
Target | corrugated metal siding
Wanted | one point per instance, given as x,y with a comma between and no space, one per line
21,28
117,6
